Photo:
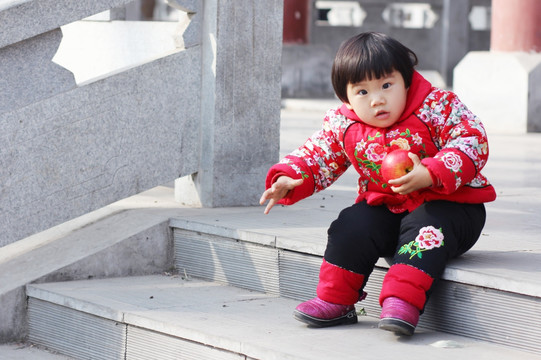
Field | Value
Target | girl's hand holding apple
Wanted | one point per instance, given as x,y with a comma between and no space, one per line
412,174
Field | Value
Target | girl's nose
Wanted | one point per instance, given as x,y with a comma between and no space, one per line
377,100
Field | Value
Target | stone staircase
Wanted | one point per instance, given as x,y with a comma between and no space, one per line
172,317
231,297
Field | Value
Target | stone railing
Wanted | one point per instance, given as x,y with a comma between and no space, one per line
206,110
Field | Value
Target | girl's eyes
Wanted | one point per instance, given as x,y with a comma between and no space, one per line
384,86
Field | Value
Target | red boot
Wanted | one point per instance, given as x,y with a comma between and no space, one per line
336,287
403,295
399,316
320,313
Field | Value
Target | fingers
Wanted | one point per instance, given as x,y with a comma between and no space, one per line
269,206
263,197
417,179
416,160
402,190
277,191
268,194
405,184
296,183
272,195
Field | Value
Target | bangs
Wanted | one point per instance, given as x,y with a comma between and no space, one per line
369,66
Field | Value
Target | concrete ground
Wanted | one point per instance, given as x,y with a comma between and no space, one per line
27,352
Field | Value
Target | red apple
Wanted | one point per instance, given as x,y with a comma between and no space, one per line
395,164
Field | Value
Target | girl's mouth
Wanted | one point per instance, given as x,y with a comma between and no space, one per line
382,115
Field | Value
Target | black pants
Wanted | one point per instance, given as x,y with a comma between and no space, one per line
363,233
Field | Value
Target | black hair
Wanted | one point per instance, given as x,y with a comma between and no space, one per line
368,56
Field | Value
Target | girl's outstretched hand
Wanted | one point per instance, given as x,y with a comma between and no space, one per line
278,190
418,178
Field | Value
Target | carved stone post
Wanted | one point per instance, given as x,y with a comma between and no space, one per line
240,102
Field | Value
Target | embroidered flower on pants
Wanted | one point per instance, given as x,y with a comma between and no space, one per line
429,238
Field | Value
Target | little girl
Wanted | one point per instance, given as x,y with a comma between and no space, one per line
422,219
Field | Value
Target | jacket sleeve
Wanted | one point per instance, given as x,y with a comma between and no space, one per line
463,146
319,162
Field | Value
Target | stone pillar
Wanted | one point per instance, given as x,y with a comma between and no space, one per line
455,33
523,18
502,85
240,102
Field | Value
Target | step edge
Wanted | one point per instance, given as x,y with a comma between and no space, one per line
222,341
451,273
40,292
224,231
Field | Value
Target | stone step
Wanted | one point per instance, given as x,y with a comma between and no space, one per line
173,317
461,304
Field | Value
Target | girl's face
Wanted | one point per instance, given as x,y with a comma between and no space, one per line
378,102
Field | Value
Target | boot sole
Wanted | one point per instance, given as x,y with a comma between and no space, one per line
349,318
399,327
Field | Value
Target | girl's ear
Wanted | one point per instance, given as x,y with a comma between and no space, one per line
348,105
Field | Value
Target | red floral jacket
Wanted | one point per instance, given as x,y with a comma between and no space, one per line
435,125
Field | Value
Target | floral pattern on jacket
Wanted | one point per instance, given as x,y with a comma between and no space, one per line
436,125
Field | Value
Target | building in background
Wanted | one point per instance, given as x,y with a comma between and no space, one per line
441,32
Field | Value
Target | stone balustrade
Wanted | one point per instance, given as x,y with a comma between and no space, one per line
207,110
